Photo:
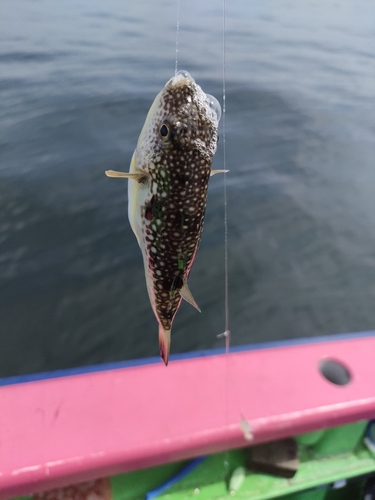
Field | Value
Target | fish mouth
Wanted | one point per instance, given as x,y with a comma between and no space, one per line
184,74
183,78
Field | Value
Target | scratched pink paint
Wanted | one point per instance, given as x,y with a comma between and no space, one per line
73,429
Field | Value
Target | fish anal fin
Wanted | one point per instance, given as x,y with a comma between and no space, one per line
188,296
214,172
164,343
138,176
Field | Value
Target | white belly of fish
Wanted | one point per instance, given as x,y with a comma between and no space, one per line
138,195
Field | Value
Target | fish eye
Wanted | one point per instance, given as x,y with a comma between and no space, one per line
164,131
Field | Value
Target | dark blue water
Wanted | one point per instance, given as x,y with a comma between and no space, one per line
76,81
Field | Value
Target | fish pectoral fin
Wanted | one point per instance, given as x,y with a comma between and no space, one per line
214,172
188,296
139,177
164,343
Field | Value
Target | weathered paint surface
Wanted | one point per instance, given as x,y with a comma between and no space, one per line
96,424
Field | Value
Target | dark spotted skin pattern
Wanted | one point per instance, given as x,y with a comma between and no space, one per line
179,171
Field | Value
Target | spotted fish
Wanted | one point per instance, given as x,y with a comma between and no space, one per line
168,181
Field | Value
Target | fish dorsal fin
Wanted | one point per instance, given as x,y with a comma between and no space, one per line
138,176
187,295
214,172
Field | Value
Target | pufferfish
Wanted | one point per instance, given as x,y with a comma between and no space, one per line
167,192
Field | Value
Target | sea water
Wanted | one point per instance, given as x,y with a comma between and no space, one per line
76,81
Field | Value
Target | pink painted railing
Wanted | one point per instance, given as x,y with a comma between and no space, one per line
64,430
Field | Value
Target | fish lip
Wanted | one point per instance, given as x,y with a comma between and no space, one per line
182,77
184,74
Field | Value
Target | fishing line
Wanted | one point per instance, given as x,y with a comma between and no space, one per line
226,333
177,33
226,279
243,424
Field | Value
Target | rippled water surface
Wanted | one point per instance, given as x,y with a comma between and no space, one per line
76,81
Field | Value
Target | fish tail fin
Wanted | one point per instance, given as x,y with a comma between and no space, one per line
164,343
